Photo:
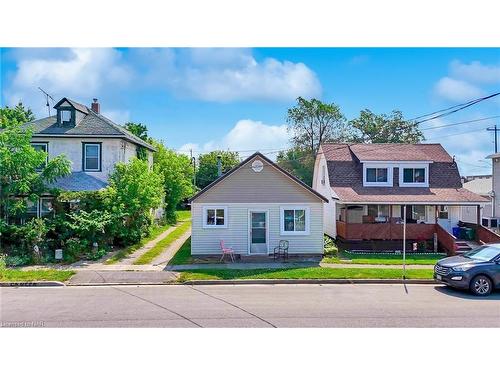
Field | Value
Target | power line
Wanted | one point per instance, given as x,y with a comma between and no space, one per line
454,109
460,123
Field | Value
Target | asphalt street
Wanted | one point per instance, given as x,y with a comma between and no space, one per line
247,306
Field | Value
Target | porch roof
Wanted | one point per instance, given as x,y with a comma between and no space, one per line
400,195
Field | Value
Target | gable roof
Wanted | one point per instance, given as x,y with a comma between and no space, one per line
92,125
345,172
270,162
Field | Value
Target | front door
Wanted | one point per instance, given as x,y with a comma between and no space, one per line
444,218
258,232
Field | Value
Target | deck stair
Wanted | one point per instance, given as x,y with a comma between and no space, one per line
464,246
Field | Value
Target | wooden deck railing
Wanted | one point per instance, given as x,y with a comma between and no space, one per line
384,231
483,234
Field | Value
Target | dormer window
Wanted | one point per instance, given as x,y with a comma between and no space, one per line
65,116
414,175
377,174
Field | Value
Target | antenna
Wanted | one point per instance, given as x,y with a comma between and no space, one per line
47,96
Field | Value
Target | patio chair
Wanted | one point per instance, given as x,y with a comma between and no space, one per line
281,250
226,250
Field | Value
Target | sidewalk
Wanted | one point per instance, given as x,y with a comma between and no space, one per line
90,277
170,251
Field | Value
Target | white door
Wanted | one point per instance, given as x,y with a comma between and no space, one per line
444,217
258,232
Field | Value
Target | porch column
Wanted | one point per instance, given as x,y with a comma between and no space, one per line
390,222
435,214
478,222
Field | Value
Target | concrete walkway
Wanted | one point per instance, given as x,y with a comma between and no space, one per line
170,250
131,258
92,277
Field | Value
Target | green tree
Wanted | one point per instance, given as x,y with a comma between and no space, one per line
24,171
312,122
299,162
15,116
206,172
139,130
177,174
392,128
134,191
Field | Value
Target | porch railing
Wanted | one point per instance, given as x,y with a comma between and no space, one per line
384,231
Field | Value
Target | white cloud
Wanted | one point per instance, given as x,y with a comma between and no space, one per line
246,136
226,75
475,72
456,90
76,73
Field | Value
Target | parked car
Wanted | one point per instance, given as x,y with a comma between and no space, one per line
477,270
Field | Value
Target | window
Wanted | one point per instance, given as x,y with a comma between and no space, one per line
92,157
42,146
378,210
418,213
65,116
294,221
443,212
31,209
323,175
214,217
46,207
376,174
414,175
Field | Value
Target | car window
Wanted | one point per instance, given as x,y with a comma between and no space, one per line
485,253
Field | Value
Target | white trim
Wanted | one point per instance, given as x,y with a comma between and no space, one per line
215,226
249,225
414,184
394,162
390,174
307,219
98,169
417,203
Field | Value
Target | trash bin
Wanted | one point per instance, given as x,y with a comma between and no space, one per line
456,231
462,234
469,234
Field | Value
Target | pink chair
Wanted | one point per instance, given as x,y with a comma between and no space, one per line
226,250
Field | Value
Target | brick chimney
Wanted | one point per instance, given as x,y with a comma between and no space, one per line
96,107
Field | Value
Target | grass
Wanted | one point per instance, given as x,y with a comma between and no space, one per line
383,258
148,256
34,275
183,255
121,254
183,215
303,273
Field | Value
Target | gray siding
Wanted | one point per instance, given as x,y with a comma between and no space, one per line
267,186
207,241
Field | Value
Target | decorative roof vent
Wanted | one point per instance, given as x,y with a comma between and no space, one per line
257,166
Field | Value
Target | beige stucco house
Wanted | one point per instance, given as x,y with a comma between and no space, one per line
92,142
254,206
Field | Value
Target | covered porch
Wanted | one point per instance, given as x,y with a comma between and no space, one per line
429,225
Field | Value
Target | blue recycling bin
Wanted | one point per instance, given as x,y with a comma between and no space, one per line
456,231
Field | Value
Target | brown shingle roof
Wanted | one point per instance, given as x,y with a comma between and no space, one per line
346,173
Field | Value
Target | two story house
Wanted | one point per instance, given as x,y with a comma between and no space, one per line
92,142
369,186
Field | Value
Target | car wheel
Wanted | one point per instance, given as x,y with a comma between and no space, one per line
481,285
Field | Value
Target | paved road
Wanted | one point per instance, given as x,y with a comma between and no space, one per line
248,306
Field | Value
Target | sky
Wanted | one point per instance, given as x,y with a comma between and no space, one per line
205,99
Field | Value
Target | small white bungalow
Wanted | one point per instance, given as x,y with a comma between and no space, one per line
254,206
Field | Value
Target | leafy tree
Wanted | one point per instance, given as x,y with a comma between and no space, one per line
299,162
141,131
15,116
393,128
207,166
177,173
134,191
24,170
312,122
90,225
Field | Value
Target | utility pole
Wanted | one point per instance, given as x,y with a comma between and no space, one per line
193,161
496,130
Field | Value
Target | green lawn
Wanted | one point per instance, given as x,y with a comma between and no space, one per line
303,273
183,215
120,254
147,257
34,275
383,258
183,255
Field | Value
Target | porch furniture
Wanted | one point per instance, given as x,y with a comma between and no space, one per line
226,250
281,250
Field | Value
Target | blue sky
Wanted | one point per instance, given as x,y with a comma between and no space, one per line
236,99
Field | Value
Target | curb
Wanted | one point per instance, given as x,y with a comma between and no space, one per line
16,284
310,281
121,284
